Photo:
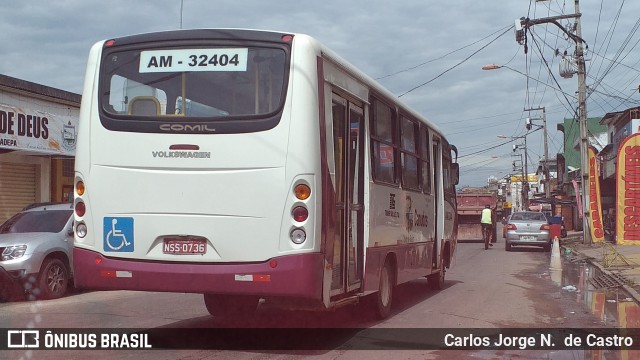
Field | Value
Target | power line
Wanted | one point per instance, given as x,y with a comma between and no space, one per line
595,41
551,72
487,149
610,34
614,63
456,65
441,57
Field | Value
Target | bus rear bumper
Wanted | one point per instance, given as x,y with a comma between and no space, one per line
294,275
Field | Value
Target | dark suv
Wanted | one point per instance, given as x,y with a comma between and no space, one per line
35,248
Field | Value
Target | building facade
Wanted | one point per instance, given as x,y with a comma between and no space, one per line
38,127
569,163
620,126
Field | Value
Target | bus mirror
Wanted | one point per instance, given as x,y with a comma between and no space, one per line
455,173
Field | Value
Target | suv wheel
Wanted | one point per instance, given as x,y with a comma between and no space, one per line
53,279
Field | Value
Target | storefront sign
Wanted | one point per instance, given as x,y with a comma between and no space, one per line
595,207
628,191
629,128
37,131
531,178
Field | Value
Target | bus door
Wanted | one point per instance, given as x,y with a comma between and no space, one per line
348,243
437,190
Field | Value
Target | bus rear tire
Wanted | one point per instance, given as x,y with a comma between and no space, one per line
228,306
384,296
436,281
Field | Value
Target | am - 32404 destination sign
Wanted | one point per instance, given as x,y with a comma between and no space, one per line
219,59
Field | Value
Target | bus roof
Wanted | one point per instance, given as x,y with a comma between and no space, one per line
373,84
277,36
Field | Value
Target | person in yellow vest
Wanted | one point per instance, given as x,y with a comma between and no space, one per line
487,223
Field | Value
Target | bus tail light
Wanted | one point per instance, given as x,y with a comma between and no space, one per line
80,208
298,236
80,188
108,273
302,191
81,230
300,214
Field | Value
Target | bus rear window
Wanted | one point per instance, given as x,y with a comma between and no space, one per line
196,83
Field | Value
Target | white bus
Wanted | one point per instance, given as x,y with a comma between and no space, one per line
248,165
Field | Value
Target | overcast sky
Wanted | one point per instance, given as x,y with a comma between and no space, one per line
429,52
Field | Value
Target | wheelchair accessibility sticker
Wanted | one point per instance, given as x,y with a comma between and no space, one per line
118,234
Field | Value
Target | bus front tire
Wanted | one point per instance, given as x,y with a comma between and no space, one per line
436,281
228,306
384,296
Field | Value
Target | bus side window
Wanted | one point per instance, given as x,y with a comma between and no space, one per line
409,154
383,148
426,160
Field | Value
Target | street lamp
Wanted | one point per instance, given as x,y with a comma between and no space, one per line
496,66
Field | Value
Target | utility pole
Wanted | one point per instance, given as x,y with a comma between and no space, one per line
523,199
525,174
545,168
526,177
582,105
584,133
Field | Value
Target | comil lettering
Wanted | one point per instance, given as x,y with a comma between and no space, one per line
187,128
631,179
20,124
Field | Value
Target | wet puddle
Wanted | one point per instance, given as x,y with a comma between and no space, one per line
612,305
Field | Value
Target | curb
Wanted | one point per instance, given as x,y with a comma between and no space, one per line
632,292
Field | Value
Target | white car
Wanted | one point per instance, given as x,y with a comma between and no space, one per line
36,246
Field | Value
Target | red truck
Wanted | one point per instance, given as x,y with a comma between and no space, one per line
470,207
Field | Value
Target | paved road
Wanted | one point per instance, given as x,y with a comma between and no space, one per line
486,288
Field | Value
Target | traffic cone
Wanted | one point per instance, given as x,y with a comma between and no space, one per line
555,267
555,250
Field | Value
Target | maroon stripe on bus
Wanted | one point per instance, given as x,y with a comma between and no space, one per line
296,275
